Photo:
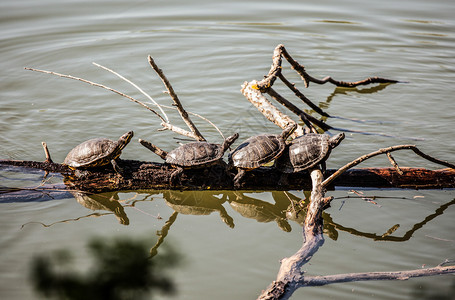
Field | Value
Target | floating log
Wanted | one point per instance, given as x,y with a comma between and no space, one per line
138,175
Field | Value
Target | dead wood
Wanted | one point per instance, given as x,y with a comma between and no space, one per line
387,151
399,275
195,134
265,86
186,118
154,176
275,71
273,114
139,175
291,276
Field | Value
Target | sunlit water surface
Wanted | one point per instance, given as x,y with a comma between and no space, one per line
208,49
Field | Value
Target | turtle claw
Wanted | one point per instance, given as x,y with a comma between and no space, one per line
116,167
175,175
238,178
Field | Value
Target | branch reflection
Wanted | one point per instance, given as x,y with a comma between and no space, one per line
387,235
286,207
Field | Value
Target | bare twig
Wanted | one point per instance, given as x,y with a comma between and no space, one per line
197,135
165,123
137,87
200,117
300,69
306,118
290,272
46,152
267,108
178,130
302,97
290,276
382,151
348,84
265,86
394,163
101,86
399,275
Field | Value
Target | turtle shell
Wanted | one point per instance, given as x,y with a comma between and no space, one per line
93,153
195,154
304,152
97,152
257,150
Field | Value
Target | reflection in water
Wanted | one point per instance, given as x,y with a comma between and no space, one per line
163,233
363,90
261,211
103,202
287,207
121,269
197,203
108,201
344,91
387,235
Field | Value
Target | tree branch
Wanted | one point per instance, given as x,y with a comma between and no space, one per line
306,118
198,136
268,109
382,151
101,86
265,86
368,276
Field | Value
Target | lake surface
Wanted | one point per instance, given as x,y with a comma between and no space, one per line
207,49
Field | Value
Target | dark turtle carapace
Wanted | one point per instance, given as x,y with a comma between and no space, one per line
258,150
192,155
97,152
307,151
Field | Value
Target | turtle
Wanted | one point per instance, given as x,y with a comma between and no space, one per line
307,151
197,203
257,151
102,202
261,211
192,155
97,152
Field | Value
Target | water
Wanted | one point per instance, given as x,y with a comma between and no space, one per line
207,49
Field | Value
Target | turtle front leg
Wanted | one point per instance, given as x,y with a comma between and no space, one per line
238,178
323,167
175,175
116,167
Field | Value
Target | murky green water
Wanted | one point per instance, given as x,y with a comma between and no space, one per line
208,49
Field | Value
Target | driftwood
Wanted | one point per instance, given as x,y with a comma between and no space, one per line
149,175
146,175
290,276
139,175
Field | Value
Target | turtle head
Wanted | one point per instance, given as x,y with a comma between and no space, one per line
229,141
125,139
288,130
336,140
